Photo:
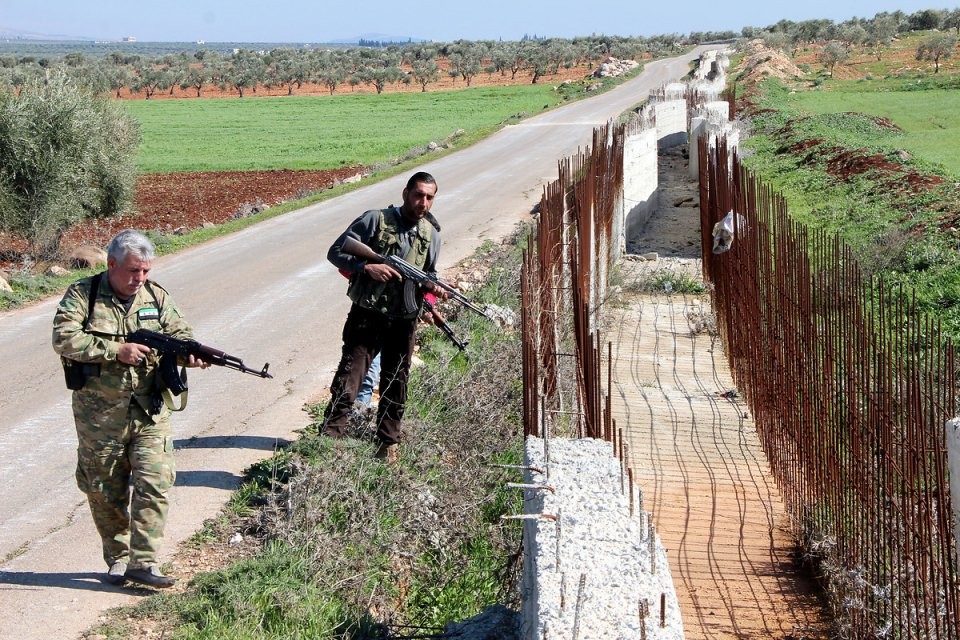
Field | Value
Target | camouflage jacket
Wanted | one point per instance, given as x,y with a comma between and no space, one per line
151,308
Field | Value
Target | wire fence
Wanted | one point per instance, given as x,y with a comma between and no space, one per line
565,272
849,386
851,389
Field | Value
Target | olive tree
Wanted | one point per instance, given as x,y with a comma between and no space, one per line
778,40
246,70
936,48
380,77
379,69
425,72
952,21
833,54
466,58
926,19
66,154
287,67
151,77
882,30
196,77
115,77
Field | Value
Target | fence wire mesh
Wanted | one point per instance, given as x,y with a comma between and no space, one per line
851,389
849,385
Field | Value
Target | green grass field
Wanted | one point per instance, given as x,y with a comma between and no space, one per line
901,232
930,120
319,132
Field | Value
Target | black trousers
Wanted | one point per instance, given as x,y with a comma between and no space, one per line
365,333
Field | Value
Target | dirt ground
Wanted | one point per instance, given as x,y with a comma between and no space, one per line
898,58
166,202
172,201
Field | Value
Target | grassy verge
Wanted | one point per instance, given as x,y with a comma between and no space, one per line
929,120
351,548
849,173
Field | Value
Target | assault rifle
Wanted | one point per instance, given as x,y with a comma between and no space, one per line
171,348
411,274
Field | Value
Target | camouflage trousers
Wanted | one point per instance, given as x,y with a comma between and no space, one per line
125,467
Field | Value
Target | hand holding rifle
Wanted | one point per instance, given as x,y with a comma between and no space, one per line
195,353
384,268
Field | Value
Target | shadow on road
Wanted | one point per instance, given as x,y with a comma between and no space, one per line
212,479
231,442
10,580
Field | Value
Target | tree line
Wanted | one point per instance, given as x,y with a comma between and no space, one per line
243,70
874,34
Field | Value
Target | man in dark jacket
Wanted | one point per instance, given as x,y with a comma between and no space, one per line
379,320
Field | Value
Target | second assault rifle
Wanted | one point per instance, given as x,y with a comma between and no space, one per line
171,348
440,323
411,274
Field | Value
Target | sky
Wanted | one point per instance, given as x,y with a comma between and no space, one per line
296,21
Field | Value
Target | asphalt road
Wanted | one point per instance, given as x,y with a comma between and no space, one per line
266,294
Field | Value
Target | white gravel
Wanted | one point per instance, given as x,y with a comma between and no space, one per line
587,573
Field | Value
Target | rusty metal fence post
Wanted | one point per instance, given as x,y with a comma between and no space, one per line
851,389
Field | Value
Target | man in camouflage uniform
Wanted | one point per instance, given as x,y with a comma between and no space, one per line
378,321
125,439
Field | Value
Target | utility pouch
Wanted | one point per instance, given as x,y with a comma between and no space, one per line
76,373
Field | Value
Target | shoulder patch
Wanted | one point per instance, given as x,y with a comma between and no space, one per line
148,313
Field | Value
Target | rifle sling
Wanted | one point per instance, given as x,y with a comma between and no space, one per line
168,397
94,288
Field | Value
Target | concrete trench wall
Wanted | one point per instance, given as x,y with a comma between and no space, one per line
591,553
667,123
640,180
671,118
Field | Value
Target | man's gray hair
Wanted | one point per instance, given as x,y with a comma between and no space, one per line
130,241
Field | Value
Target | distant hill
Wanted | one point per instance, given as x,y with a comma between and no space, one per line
15,34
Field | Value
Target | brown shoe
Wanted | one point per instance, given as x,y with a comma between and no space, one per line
388,452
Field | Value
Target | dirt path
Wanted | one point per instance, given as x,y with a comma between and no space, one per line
695,453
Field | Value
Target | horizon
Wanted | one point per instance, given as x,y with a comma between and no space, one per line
8,35
298,21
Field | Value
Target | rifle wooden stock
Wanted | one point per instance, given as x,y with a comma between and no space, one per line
355,248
